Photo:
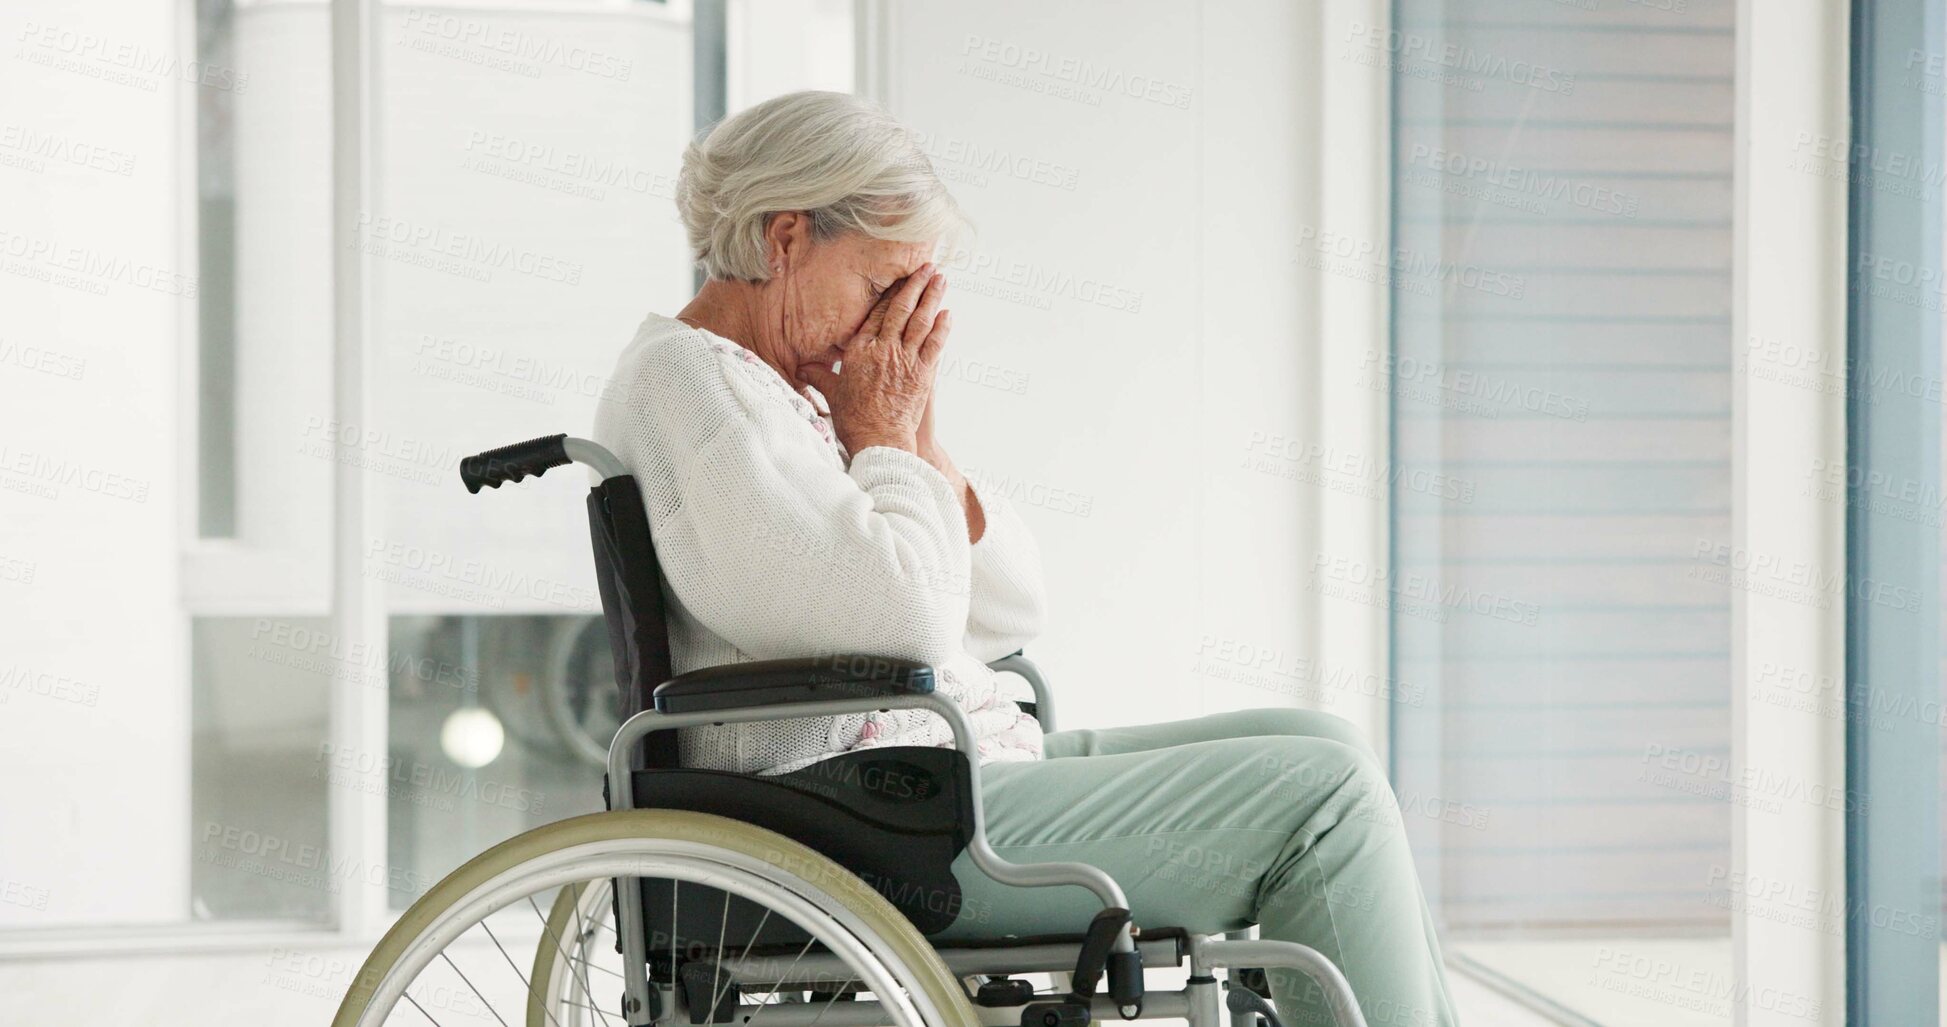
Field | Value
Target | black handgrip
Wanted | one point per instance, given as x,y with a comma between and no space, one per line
512,463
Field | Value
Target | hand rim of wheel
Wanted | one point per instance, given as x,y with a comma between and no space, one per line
853,919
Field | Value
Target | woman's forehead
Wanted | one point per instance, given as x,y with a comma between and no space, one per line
897,259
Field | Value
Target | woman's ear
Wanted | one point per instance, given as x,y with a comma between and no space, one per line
786,235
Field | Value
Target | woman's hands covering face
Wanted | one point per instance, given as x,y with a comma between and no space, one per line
885,385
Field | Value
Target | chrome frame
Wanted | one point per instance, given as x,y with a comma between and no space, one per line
594,455
1201,1003
1044,700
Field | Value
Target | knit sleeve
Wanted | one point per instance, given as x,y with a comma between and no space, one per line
1008,604
781,552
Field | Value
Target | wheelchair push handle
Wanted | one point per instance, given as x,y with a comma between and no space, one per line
515,462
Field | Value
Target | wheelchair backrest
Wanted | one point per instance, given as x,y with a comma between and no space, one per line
625,565
632,603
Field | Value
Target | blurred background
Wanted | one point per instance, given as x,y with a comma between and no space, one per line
1477,371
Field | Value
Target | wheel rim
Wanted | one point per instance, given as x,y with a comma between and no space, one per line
826,917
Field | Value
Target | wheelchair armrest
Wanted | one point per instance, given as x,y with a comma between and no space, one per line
1017,662
739,686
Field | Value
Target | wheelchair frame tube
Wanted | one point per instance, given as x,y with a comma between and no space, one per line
1207,954
1044,700
1167,1005
594,455
621,787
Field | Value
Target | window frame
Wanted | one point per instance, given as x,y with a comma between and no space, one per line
1789,278
1892,833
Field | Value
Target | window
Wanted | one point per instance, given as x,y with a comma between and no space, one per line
1561,380
525,225
520,225
262,657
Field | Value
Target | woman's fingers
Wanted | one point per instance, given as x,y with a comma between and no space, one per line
920,325
935,341
886,385
875,321
905,299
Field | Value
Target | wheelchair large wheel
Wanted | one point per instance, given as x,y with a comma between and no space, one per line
437,957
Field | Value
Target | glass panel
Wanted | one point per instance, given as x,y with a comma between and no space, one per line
1561,282
525,226
499,724
261,765
262,658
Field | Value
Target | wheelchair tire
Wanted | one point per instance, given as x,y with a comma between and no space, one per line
599,845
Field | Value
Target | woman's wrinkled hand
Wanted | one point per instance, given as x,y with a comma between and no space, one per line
884,384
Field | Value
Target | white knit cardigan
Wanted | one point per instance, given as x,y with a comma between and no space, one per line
774,542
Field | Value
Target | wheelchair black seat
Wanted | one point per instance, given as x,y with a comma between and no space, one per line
897,817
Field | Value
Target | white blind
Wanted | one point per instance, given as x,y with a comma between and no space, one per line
1562,291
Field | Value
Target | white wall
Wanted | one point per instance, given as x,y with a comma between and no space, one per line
1132,333
564,181
779,46
94,703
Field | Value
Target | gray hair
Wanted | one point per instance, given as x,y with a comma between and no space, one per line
840,159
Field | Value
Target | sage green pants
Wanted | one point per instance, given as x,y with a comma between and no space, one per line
1280,818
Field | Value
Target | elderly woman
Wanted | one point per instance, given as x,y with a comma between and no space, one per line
782,427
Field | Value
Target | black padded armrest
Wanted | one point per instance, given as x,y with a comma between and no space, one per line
739,686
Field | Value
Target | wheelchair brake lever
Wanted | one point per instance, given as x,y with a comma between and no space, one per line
1097,954
1242,1002
1097,949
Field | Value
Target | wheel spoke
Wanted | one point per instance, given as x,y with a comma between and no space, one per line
675,896
840,990
422,1009
754,934
525,986
774,988
582,938
469,985
596,966
575,900
716,972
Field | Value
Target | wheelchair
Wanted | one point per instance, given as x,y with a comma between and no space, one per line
795,900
